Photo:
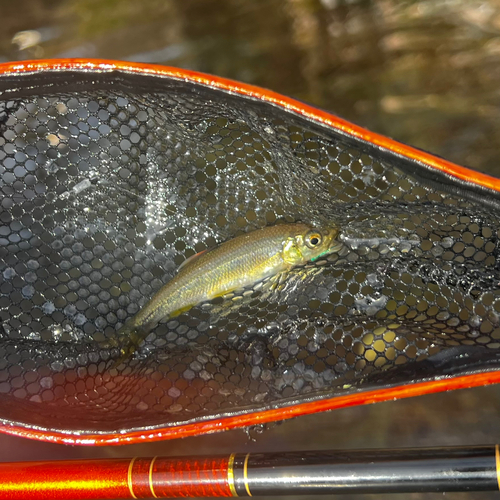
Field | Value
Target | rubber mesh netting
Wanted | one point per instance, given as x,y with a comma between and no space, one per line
108,184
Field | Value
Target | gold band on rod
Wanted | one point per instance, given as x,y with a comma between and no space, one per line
129,477
497,461
230,474
151,477
245,474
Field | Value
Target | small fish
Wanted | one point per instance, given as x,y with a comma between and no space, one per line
234,264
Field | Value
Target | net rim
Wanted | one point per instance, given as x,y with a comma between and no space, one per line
256,418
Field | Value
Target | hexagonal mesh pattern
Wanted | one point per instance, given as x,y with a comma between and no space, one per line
105,192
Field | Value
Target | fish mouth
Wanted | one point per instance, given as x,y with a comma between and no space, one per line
334,233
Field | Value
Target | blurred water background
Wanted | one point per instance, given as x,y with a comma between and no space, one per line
424,72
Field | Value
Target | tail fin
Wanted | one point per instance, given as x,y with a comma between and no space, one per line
128,338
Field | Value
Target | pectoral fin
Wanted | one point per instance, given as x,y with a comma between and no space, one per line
278,280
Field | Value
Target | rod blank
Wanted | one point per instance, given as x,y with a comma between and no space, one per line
317,472
389,471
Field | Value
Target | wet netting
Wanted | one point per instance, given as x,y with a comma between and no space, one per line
110,181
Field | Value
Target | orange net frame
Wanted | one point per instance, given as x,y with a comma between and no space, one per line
111,176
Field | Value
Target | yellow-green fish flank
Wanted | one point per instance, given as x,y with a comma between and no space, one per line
237,263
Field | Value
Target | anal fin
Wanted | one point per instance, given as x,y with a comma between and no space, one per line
178,312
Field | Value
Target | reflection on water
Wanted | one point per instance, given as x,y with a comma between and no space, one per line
424,72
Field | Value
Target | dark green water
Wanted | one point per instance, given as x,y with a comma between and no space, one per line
423,72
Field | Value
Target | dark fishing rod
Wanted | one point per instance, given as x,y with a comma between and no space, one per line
472,468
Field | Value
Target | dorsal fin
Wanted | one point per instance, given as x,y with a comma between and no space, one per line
191,259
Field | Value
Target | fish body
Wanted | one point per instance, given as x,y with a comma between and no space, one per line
236,263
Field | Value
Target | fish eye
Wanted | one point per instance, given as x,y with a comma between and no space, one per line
313,239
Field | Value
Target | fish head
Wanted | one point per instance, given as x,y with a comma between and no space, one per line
311,243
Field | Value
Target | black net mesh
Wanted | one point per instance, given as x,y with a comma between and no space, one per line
109,183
